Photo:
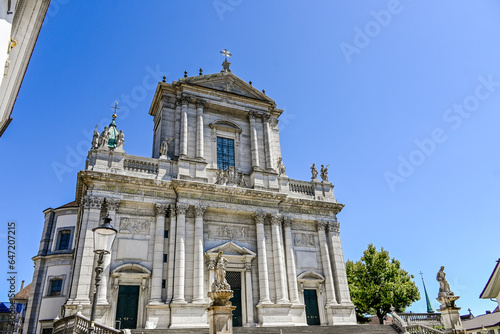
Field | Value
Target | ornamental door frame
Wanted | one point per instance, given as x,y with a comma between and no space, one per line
239,259
312,280
131,274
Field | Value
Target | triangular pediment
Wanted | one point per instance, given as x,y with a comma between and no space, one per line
230,248
310,276
229,83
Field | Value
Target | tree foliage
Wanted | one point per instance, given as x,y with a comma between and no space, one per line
376,282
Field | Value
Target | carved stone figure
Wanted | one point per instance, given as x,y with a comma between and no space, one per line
444,287
231,175
120,140
165,145
281,167
104,138
324,173
95,139
221,177
242,182
220,282
314,172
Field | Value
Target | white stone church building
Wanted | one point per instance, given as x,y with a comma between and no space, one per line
215,181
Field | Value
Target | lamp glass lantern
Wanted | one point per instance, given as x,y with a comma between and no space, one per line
104,235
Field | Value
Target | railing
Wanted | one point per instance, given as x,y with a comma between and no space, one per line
422,329
426,318
78,324
403,326
141,166
301,187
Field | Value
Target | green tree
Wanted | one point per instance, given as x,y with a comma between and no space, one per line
376,282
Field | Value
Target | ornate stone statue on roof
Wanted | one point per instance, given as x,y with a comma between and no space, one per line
444,286
324,173
120,140
281,167
165,145
314,172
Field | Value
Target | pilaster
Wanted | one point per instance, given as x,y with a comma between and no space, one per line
290,261
338,264
254,145
267,142
279,268
85,253
199,133
262,259
180,254
157,275
325,260
184,128
198,270
171,255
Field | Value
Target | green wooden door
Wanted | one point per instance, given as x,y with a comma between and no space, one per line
234,280
312,311
128,304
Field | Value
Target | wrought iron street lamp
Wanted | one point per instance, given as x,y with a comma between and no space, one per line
104,236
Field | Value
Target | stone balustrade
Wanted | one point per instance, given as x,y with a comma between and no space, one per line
141,165
301,187
430,319
79,324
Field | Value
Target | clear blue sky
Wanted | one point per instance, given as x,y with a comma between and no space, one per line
402,99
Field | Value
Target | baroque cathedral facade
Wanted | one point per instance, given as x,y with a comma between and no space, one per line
215,182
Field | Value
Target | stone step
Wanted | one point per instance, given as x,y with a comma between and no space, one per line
341,329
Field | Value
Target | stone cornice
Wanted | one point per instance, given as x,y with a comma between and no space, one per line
87,179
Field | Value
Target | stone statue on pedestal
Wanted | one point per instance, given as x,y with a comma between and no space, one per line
450,315
120,140
324,173
164,147
220,312
314,172
104,138
444,286
281,167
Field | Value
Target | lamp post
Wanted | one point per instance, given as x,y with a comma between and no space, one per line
104,236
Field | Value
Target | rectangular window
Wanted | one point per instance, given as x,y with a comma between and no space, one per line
165,234
63,240
55,287
47,331
225,152
165,257
163,283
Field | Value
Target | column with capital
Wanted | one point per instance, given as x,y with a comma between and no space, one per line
325,260
184,128
254,145
262,259
290,261
279,263
199,129
177,140
198,270
249,292
159,241
85,252
111,206
171,255
338,264
267,142
180,255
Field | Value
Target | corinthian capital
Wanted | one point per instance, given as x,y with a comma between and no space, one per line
92,202
287,221
161,209
112,204
200,104
259,217
321,225
275,220
199,210
334,227
182,208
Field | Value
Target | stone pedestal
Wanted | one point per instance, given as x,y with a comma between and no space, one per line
220,319
450,315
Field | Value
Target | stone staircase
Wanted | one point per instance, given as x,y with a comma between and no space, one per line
342,329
